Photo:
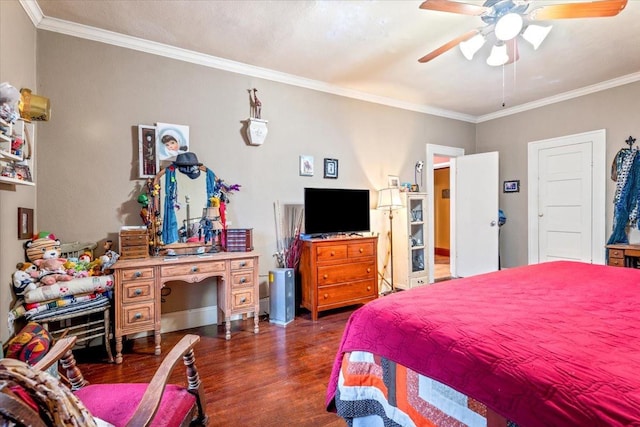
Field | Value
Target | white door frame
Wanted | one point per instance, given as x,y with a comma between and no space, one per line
598,235
442,151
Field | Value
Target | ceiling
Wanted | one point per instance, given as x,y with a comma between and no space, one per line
365,49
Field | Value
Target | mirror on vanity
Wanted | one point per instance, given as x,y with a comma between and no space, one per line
184,208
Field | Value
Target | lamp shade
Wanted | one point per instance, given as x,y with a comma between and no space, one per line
508,26
498,55
535,34
389,198
471,46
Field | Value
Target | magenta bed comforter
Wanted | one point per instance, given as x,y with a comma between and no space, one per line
554,344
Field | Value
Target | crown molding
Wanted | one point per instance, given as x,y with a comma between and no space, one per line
629,78
42,22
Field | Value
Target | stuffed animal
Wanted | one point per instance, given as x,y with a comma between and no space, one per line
29,268
22,283
52,271
42,248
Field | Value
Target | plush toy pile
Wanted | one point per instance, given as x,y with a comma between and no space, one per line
46,268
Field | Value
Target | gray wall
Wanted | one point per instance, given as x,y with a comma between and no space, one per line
18,67
615,110
88,188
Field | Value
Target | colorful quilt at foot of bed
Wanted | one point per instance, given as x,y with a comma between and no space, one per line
375,391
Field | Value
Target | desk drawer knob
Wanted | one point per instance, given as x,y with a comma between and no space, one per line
243,264
194,269
368,288
243,300
138,292
616,253
137,274
138,316
243,280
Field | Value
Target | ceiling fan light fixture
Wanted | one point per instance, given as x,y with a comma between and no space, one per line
535,34
498,55
471,46
508,26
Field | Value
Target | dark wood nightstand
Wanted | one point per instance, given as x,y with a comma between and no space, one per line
623,255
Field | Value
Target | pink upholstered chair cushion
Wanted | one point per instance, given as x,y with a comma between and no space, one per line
116,403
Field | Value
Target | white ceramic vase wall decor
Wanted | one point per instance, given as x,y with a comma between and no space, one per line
257,131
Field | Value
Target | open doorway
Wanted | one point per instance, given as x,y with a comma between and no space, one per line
442,219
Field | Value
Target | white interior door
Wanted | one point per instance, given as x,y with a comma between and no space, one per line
475,210
564,203
566,198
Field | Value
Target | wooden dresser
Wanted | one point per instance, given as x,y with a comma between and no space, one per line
623,255
138,283
338,272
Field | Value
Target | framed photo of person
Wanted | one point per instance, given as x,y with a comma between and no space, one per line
148,161
171,140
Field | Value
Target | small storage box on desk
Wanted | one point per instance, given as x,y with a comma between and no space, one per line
239,240
134,242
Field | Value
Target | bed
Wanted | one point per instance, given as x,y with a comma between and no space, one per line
553,344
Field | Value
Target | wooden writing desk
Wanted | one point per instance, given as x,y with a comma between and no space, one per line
138,283
623,255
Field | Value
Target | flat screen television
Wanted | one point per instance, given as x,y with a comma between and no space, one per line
336,211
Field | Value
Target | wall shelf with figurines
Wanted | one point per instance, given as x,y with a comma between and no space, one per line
16,140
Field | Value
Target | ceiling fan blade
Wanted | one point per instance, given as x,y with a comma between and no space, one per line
594,9
454,7
447,46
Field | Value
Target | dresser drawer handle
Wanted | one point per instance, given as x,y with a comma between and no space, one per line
368,288
243,280
138,316
616,253
243,264
194,269
332,253
137,274
138,292
326,276
361,250
326,296
243,300
369,270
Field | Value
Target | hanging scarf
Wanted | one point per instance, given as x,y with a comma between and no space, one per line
170,223
627,195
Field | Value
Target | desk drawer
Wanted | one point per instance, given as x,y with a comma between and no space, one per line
137,315
616,262
241,299
239,264
192,268
137,273
616,253
137,291
240,279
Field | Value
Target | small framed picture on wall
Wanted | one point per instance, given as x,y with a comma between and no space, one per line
331,168
149,163
393,181
511,186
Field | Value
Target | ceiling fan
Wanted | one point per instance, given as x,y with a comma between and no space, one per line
506,19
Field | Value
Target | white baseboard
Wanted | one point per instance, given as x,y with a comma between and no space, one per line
186,319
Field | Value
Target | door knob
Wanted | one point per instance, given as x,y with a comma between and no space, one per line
493,223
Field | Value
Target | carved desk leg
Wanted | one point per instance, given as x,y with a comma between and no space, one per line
118,350
256,321
157,340
227,321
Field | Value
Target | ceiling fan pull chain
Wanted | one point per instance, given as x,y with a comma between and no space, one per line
503,104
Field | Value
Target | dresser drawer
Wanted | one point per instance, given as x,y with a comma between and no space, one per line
239,279
616,253
238,264
360,250
331,253
242,298
616,262
137,315
129,252
343,273
137,273
137,291
194,268
339,294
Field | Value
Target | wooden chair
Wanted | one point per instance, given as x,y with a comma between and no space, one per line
42,400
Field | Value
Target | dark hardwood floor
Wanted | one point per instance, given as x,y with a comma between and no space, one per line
276,378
